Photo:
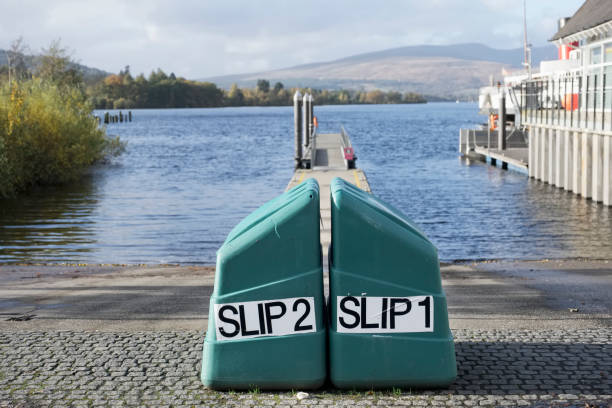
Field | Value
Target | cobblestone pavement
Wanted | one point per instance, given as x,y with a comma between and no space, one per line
496,368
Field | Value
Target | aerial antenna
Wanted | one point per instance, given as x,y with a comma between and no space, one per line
526,46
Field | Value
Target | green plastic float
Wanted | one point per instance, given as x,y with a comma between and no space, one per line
388,314
266,326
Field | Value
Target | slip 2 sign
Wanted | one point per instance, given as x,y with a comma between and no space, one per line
370,314
279,317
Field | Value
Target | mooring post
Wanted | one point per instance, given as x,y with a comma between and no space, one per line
306,108
120,116
130,116
106,117
311,116
297,118
501,144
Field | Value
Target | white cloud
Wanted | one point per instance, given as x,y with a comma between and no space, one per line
196,38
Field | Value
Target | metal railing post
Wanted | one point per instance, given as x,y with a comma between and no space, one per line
572,104
579,108
298,126
603,101
586,103
594,102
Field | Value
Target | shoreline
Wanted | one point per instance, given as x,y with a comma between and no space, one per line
542,294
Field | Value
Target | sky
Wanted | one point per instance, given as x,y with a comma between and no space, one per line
203,38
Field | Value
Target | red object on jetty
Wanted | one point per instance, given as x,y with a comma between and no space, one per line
349,153
570,102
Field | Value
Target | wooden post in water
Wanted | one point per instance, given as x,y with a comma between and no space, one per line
106,117
130,116
120,116
501,144
297,119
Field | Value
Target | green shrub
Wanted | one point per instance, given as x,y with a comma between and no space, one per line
47,135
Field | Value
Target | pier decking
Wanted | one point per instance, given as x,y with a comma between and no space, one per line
329,151
329,163
483,145
518,156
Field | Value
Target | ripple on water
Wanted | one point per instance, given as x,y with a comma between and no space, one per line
189,175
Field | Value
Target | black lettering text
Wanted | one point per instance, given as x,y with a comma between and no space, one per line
427,303
270,316
364,315
385,305
243,324
225,319
393,313
298,324
262,322
346,310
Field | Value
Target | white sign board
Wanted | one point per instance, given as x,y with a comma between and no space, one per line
370,314
279,317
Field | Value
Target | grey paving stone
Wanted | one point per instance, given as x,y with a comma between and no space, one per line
495,368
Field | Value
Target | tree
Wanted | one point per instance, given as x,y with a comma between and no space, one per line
235,96
56,66
278,86
394,97
157,76
17,69
125,71
113,80
263,85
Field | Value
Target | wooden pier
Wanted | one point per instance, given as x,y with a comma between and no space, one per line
323,157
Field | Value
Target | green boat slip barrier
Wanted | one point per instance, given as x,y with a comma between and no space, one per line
266,325
388,315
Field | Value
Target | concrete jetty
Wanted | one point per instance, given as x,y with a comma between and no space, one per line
324,156
324,178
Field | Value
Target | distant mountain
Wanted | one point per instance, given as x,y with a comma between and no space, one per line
89,74
447,71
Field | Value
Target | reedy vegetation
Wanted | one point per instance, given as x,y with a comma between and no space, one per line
47,132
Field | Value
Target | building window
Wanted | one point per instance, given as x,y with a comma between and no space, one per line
608,52
596,55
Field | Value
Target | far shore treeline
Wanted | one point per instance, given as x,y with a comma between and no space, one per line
159,90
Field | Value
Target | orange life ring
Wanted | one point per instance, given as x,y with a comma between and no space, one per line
493,121
314,120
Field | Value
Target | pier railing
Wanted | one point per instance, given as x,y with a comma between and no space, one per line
571,100
348,153
313,146
569,121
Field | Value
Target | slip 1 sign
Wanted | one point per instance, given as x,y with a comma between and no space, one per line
278,317
361,314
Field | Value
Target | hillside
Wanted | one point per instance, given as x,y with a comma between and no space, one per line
451,71
89,74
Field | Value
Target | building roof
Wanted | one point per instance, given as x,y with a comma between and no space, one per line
591,14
